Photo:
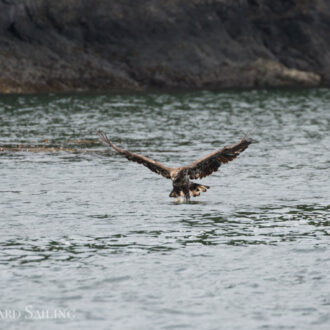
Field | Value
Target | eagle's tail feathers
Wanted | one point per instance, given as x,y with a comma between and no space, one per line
196,189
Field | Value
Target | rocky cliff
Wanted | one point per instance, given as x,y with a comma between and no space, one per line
64,45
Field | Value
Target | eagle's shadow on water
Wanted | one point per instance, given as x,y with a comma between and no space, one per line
188,203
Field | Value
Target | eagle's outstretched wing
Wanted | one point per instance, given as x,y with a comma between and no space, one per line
150,163
209,164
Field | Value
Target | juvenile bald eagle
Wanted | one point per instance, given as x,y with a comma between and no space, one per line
182,186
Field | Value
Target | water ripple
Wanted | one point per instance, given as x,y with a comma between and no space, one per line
84,229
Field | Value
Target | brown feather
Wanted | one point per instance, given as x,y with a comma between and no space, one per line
149,163
211,163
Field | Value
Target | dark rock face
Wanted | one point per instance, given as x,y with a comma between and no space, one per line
63,45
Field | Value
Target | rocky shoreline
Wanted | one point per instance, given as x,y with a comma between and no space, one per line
104,45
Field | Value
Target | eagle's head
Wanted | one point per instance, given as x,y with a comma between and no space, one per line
176,174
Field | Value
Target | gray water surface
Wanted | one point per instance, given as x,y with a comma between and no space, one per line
97,237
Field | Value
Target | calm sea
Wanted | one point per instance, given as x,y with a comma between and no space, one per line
90,240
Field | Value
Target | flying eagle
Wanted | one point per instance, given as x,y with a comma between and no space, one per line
182,186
